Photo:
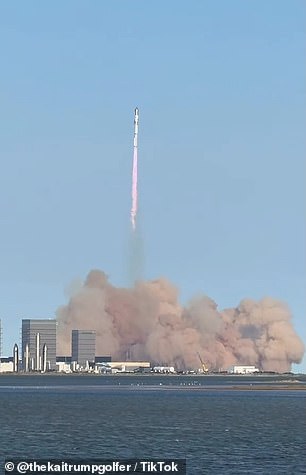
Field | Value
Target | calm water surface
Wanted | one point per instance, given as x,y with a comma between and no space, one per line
217,429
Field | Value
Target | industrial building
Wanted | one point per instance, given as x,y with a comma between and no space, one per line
103,359
6,365
38,344
99,365
65,364
83,347
128,366
243,369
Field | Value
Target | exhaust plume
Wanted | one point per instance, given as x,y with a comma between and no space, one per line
135,172
134,190
148,322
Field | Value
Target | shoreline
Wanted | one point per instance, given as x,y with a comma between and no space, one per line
160,375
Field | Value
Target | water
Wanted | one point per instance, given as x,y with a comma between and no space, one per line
213,422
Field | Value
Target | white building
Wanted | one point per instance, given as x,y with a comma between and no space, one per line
6,366
127,366
243,369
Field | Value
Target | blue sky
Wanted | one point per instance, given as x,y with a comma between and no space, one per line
221,92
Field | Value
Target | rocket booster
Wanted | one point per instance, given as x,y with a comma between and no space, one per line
136,121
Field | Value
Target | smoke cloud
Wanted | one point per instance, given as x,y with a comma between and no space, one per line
147,322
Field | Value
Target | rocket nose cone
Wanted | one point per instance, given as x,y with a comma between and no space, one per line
136,111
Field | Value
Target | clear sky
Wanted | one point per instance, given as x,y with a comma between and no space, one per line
221,92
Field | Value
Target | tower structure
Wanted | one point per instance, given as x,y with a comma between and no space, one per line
83,346
36,334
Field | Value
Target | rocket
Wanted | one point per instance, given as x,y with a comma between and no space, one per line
15,358
135,171
136,121
38,363
27,358
44,358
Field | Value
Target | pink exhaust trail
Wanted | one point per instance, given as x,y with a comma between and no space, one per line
134,190
135,172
